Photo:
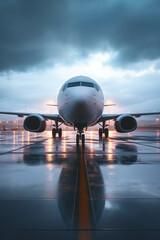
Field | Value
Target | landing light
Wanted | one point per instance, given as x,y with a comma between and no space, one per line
109,103
51,103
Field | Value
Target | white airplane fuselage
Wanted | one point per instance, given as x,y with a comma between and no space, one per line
80,102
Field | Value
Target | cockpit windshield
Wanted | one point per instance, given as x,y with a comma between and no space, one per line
84,84
87,84
73,84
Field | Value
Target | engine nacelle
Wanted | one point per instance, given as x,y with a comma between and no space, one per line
34,123
125,123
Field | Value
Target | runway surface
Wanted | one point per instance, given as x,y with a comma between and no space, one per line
52,189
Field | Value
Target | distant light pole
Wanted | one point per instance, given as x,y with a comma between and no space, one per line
52,105
157,121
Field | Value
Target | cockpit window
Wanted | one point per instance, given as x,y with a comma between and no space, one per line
84,84
65,86
73,84
87,84
96,87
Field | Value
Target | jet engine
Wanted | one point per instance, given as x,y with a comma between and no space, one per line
125,123
34,123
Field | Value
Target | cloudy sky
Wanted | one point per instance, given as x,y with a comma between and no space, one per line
45,42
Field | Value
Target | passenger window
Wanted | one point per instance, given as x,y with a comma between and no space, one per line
73,84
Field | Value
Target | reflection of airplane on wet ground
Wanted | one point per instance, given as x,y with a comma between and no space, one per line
71,197
80,105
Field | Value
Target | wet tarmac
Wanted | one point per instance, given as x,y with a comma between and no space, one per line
52,189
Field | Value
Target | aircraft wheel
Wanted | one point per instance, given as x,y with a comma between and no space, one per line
53,132
60,132
83,139
100,132
77,138
106,132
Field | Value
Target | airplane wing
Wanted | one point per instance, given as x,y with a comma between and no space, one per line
55,117
106,117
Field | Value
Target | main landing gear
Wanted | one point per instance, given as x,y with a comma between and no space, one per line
56,130
80,136
104,131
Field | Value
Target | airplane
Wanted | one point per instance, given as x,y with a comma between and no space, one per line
80,105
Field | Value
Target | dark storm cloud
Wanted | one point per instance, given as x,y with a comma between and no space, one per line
37,32
30,31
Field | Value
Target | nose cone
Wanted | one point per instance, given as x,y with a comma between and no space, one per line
81,109
80,105
81,97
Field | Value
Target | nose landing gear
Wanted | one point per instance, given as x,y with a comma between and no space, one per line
77,138
80,136
83,139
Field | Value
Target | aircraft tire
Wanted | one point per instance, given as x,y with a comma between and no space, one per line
83,139
100,132
53,132
77,139
106,132
60,132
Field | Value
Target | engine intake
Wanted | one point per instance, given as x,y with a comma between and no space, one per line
35,123
125,123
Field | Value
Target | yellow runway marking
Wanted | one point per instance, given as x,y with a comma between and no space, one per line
84,209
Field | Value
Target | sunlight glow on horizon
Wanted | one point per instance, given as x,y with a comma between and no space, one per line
37,87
